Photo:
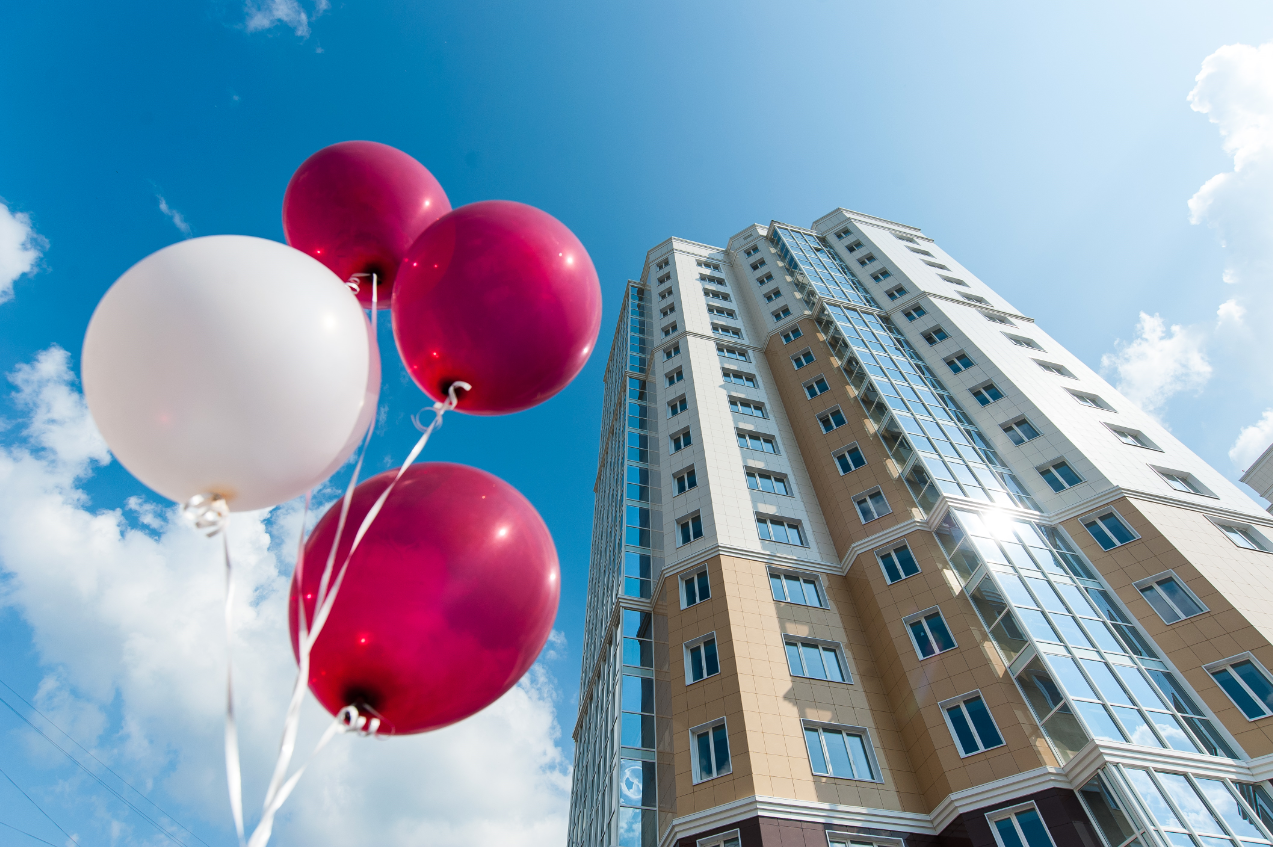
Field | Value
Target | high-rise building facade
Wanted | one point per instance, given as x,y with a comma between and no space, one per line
876,561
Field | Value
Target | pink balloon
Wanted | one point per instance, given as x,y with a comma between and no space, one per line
499,295
445,605
357,206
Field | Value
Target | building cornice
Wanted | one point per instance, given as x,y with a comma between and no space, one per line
801,810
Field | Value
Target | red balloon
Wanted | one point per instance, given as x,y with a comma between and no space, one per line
445,605
357,206
499,295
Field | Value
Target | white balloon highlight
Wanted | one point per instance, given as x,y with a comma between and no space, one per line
230,365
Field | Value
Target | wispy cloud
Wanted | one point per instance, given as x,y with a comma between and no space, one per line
1158,362
178,220
266,14
1252,441
20,248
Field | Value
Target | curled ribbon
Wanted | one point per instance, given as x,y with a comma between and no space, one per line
208,513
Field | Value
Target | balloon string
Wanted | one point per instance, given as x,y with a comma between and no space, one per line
233,771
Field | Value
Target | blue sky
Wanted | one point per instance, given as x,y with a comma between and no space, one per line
1052,150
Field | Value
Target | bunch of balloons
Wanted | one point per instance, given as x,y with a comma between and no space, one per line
245,371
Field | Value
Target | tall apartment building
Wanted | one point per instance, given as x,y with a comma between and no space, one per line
877,562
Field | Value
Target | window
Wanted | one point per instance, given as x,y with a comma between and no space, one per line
701,660
721,311
636,574
669,329
666,293
935,335
1059,476
1246,683
638,483
673,377
1059,370
854,247
676,407
667,310
758,264
881,275
1090,400
1132,438
803,589
896,293
685,480
959,362
638,447
739,378
689,529
712,279
661,265
751,251
710,751
773,295
770,483
636,698
717,295
784,312
1169,597
937,265
765,280
1020,431
815,659
840,751
987,394
747,407
929,633
727,331
732,353
970,724
849,459
1109,530
681,440
897,563
752,441
871,506
667,277
914,314
833,419
869,258
973,298
954,281
804,357
901,237
711,266
1021,341
1021,827
695,588
1183,482
1245,537
997,319
776,529
842,234
920,251
815,387
791,335
637,526
674,350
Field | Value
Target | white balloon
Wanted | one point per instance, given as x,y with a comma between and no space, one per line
230,365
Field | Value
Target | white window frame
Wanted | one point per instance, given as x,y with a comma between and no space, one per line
792,334
725,351
1022,341
1136,436
673,377
721,839
813,383
749,471
954,357
919,616
694,768
827,413
892,550
1011,812
846,839
897,292
755,405
1013,425
765,280
959,701
1093,401
1100,513
773,295
669,330
848,729
819,587
726,372
1163,473
982,388
789,638
682,577
685,520
778,313
914,313
932,331
680,404
788,523
954,281
800,357
1050,466
975,298
1141,584
1211,667
1055,369
867,495
1264,545
853,445
672,352
676,477
761,436
671,440
699,642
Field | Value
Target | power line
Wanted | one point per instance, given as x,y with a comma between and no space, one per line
100,781
28,835
37,805
100,762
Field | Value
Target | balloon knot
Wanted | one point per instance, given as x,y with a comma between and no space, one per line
442,406
208,513
351,720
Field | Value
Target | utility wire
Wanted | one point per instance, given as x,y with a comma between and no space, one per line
37,805
28,835
100,781
32,707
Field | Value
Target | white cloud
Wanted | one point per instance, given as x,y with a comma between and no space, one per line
178,220
266,14
20,248
1158,363
1230,311
1252,441
127,620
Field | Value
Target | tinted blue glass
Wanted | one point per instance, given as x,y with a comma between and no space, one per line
813,742
1008,833
793,658
963,732
861,762
813,661
638,694
696,663
985,725
890,567
705,769
1098,721
720,743
906,561
1036,835
941,635
922,641
1256,681
1116,528
710,663
704,590
838,754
